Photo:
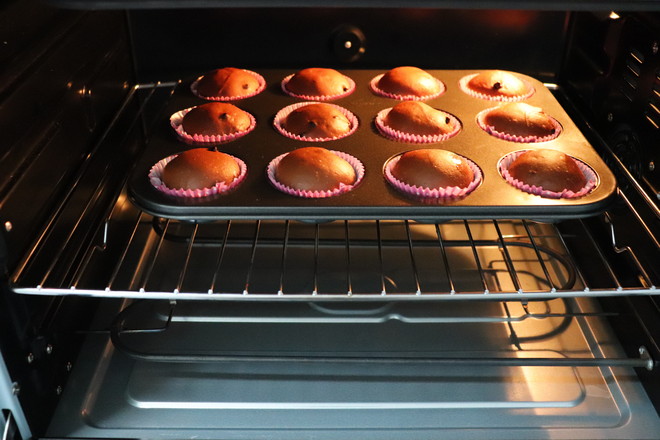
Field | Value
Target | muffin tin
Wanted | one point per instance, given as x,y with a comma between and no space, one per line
373,198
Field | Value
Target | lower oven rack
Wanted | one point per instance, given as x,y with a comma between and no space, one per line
127,253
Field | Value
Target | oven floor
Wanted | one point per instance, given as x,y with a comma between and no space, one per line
176,382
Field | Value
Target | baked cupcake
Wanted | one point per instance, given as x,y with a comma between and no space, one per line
211,123
315,172
317,83
519,122
228,84
548,173
315,122
432,173
198,172
407,83
496,85
416,122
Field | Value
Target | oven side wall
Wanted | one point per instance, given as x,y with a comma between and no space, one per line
63,75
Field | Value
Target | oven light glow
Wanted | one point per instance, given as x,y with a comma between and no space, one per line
614,15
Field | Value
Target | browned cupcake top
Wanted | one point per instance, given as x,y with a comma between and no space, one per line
407,80
498,83
520,119
317,121
415,117
200,168
318,81
215,119
550,169
433,168
228,82
314,169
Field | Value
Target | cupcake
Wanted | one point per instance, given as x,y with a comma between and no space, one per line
548,173
519,122
315,122
213,122
414,121
315,172
496,85
432,173
228,84
197,173
407,83
316,83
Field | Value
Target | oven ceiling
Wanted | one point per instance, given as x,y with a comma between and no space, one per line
630,5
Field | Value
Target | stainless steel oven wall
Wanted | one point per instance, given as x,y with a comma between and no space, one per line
62,76
171,44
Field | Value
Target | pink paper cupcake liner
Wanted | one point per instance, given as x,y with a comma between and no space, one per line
512,137
374,88
589,174
350,90
176,121
282,114
448,192
401,136
156,172
463,84
260,79
355,163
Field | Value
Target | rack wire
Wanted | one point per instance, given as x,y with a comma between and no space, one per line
131,254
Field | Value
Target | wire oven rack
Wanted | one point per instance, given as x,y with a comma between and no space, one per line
131,254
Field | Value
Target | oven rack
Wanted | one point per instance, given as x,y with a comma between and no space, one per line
169,320
127,253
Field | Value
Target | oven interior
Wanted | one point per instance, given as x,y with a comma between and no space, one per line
117,323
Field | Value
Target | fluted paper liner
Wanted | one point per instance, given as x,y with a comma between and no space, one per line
512,137
589,174
378,91
447,192
156,172
350,90
401,136
176,121
463,84
260,79
355,163
281,116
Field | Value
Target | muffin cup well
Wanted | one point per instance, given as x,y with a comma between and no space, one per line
463,84
281,115
512,137
350,90
589,174
401,136
260,79
156,172
374,88
424,193
176,121
355,163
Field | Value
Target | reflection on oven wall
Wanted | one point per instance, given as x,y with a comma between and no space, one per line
66,74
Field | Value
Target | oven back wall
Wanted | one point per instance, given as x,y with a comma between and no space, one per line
170,44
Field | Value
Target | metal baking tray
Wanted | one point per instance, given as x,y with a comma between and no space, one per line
373,198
